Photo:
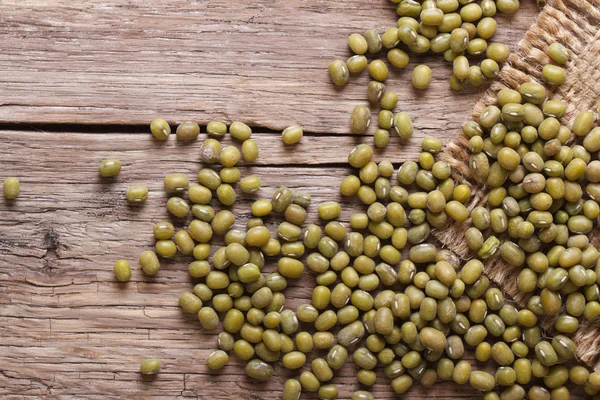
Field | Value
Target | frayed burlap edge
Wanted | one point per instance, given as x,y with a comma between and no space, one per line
574,23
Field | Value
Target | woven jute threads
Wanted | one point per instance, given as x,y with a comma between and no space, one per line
573,23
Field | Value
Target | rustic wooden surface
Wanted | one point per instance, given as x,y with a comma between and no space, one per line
66,328
264,62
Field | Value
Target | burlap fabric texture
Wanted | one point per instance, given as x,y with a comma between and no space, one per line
575,24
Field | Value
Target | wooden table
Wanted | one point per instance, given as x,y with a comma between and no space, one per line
80,81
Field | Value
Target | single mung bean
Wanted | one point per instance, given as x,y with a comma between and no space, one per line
421,77
149,262
216,129
329,210
199,194
229,156
360,156
553,74
373,41
378,70
471,12
558,53
381,138
309,382
209,178
481,380
475,76
178,207
357,43
210,150
431,144
122,270
291,390
160,129
166,248
431,16
389,100
217,360
294,360
403,125
107,168
546,354
476,47
459,39
281,199
398,58
498,52
360,119
375,91
292,134
440,43
462,372
259,370
176,183
249,150
150,366
134,194
250,184
339,73
240,131
486,27
187,131
226,194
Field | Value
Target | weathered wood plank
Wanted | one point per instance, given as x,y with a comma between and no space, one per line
263,62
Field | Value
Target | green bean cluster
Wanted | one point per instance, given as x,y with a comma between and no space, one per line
431,307
542,204
231,287
543,197
458,29
385,296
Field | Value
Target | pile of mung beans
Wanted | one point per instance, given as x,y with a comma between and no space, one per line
542,203
444,306
457,29
385,296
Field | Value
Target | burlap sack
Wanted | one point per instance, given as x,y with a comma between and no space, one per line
575,24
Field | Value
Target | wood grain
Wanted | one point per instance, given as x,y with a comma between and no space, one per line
263,62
